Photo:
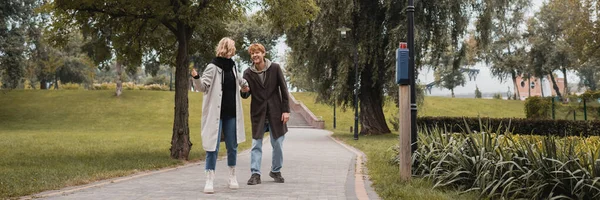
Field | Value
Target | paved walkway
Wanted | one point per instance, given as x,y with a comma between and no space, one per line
315,167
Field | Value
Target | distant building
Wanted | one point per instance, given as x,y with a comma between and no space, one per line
536,87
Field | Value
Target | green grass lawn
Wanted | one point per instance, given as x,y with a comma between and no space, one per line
53,139
458,107
385,176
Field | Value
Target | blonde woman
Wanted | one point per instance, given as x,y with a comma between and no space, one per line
221,111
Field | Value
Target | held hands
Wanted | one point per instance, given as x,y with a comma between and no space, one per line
246,89
285,117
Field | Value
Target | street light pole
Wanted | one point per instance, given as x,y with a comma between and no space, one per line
334,114
343,31
355,92
411,73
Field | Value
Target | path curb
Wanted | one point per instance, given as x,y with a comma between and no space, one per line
359,176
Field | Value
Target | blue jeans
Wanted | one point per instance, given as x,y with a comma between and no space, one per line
256,153
227,126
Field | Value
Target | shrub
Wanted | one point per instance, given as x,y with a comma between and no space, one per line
497,96
477,93
156,87
160,80
71,86
130,86
518,125
509,166
538,108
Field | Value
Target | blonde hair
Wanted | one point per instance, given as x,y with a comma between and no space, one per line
256,47
226,48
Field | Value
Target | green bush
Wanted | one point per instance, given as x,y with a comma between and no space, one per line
509,166
538,108
497,96
71,86
518,125
156,87
477,93
130,86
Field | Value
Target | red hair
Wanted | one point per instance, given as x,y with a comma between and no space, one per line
256,47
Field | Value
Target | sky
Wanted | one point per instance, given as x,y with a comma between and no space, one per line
485,81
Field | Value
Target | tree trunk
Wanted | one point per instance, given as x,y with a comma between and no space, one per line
566,89
56,80
541,85
43,85
180,142
593,82
452,91
118,80
513,75
529,85
555,86
372,118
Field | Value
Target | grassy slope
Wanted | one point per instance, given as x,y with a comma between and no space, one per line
377,148
53,139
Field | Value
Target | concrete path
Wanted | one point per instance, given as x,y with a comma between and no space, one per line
315,167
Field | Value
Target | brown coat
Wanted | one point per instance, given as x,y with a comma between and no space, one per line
274,94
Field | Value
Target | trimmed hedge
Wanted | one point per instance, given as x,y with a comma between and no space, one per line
516,125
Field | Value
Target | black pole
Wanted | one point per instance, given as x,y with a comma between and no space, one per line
584,110
334,115
356,90
553,112
411,73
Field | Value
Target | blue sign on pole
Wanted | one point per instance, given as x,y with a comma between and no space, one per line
402,66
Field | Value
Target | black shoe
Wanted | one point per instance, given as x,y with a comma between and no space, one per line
254,179
277,176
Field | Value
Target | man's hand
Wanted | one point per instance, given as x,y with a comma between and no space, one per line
194,73
285,117
246,89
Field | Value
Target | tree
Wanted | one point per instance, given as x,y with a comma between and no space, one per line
477,93
448,75
14,16
251,29
157,25
376,29
505,51
449,78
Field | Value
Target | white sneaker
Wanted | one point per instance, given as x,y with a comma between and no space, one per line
210,178
233,184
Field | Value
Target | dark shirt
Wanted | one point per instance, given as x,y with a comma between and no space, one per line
228,82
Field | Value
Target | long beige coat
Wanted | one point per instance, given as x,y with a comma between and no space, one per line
210,84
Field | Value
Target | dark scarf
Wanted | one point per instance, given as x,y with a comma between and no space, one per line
228,103
224,63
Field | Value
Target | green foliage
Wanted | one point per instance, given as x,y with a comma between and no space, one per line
591,95
477,93
538,108
449,77
518,126
16,21
12,58
505,52
160,79
253,29
509,166
497,96
71,86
